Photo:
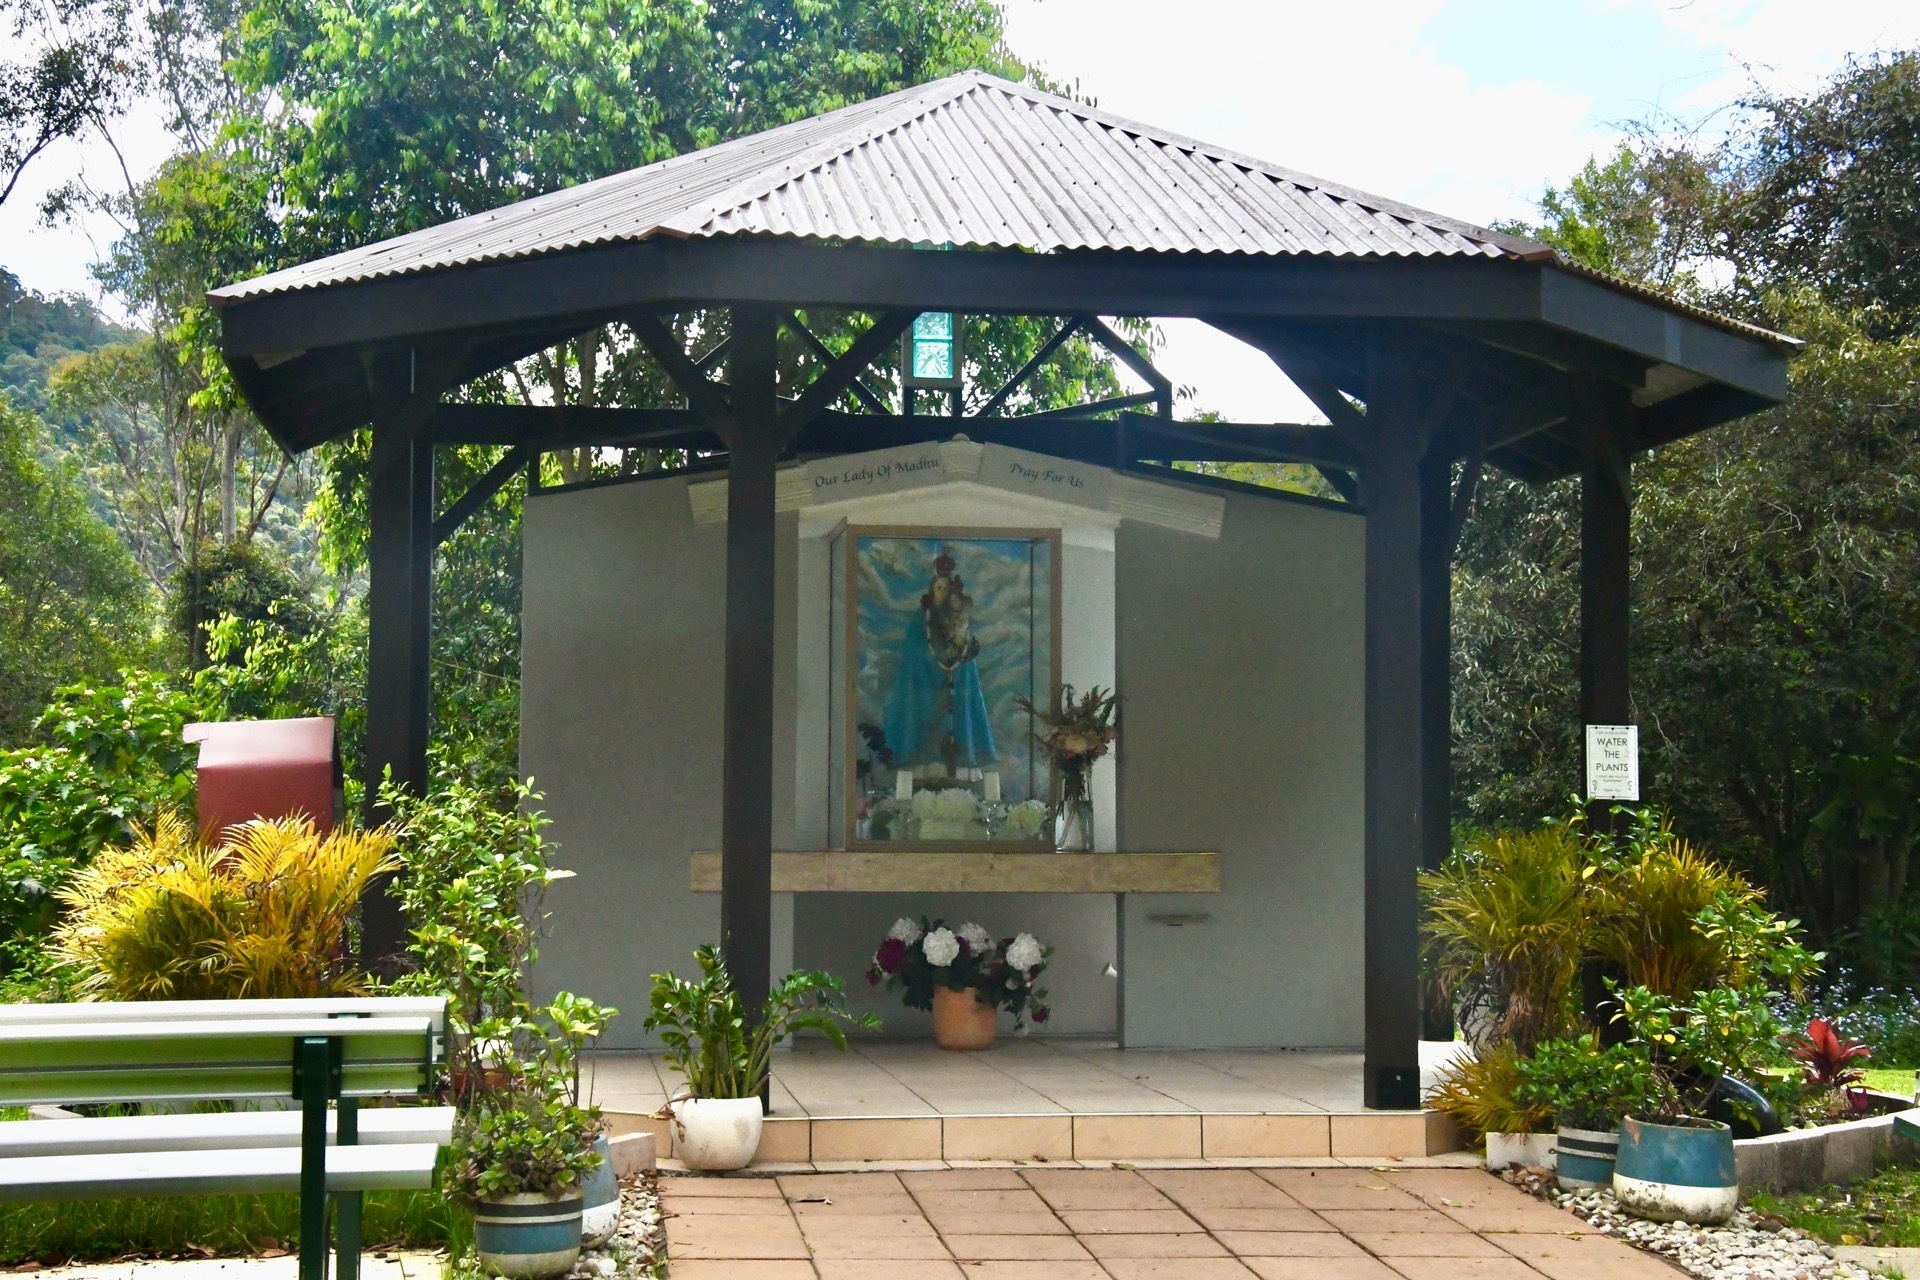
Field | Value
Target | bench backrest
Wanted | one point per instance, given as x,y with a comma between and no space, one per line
120,1057
433,1008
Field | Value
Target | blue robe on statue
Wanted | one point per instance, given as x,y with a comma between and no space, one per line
918,717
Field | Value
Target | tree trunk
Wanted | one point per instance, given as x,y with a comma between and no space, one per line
1875,876
577,464
229,467
195,614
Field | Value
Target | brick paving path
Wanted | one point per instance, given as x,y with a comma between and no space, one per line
1121,1224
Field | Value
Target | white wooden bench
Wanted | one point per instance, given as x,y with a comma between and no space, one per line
313,1051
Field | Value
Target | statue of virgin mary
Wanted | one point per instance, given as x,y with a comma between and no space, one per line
936,711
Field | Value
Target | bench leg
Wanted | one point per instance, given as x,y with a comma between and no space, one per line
347,1204
314,1056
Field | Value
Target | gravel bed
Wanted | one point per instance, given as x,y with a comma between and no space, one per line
1751,1247
638,1250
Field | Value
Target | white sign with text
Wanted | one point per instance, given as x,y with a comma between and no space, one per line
1613,762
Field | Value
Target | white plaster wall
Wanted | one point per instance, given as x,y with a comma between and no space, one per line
620,705
1087,657
1241,674
1239,666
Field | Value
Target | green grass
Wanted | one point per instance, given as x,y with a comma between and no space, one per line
1883,1211
1890,1080
98,1230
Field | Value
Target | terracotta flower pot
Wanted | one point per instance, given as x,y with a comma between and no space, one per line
961,1022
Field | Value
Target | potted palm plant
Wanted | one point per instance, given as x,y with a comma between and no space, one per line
1508,918
725,1060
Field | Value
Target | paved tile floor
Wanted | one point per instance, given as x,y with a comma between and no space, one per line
1033,1223
405,1264
1024,1076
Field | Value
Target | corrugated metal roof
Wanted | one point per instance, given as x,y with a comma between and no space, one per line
970,160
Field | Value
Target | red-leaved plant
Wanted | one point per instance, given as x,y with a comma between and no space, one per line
1826,1057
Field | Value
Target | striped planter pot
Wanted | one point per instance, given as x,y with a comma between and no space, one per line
1677,1173
1583,1158
600,1212
527,1237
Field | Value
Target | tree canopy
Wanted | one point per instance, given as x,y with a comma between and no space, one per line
73,605
1776,572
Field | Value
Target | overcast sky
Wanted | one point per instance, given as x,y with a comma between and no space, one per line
1467,107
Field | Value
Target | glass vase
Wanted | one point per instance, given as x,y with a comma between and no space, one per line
1073,812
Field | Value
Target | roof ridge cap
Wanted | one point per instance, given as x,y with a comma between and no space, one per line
914,102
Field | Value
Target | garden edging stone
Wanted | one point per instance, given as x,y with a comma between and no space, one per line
1807,1159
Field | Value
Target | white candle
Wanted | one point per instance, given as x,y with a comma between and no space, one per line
992,780
903,784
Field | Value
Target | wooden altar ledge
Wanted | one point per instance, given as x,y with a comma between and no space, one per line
977,871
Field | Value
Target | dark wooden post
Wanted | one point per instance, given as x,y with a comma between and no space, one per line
754,442
1606,611
1396,756
1436,695
399,633
1606,509
1606,616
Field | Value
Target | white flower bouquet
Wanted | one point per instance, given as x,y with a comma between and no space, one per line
917,956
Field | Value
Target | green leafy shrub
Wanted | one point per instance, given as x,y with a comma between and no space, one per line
524,1131
111,758
1586,1085
475,876
1511,917
704,1032
1724,1031
1676,921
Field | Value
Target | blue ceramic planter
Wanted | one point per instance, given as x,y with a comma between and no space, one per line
1677,1173
1584,1158
600,1212
527,1237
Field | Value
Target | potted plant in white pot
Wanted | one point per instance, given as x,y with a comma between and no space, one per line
526,1147
964,977
705,1037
